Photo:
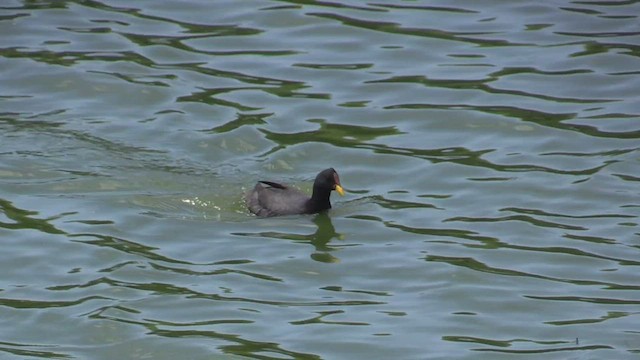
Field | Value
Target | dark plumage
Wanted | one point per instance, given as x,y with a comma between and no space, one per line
279,199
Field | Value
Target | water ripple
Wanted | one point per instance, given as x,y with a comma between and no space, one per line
42,304
482,85
555,120
394,28
608,301
194,329
479,266
30,350
489,153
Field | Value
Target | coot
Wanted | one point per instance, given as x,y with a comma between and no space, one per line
278,199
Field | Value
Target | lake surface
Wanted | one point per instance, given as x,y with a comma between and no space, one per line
489,151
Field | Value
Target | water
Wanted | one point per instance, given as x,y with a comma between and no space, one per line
489,152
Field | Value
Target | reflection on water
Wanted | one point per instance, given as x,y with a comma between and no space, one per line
490,152
320,239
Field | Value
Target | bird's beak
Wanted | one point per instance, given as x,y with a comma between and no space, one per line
339,190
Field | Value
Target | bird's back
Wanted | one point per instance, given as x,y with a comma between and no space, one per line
276,199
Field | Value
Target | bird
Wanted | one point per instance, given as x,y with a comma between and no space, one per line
277,199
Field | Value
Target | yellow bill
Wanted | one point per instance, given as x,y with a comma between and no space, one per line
340,190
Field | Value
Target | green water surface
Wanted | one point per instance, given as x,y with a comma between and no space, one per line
489,151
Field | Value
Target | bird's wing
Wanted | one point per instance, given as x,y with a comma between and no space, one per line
274,184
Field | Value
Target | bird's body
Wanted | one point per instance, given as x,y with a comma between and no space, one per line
273,199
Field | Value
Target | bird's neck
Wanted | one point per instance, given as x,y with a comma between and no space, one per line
320,198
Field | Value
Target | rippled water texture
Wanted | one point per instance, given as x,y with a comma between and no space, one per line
489,150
